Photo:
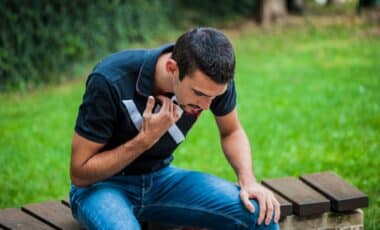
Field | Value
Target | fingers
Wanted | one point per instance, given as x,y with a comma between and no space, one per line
245,199
263,208
277,210
269,213
149,107
171,107
269,206
168,108
272,206
165,103
176,112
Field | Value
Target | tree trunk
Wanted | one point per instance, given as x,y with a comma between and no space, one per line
271,11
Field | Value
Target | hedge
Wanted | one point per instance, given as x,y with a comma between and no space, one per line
42,40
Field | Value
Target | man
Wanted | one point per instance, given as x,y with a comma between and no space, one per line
137,108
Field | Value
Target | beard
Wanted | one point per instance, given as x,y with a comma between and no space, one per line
190,109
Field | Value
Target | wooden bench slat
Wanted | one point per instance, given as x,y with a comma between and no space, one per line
343,196
305,200
55,213
14,218
285,206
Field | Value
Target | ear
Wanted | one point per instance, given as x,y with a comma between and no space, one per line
172,67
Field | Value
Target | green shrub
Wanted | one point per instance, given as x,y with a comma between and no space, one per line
39,39
42,40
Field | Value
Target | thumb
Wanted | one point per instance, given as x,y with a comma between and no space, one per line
245,199
149,107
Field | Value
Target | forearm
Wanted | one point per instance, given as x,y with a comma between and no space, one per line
107,163
88,165
237,149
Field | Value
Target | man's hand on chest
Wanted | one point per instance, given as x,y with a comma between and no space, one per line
157,124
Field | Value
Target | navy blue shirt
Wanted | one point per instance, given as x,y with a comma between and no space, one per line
114,101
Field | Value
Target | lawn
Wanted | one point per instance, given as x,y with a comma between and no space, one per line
308,97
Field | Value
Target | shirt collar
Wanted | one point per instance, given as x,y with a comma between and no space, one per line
145,79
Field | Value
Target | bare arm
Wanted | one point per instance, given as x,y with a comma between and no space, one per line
236,146
237,150
89,165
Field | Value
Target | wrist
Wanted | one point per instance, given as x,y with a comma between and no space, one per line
246,179
138,144
143,141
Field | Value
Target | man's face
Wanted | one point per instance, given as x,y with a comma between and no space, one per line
196,91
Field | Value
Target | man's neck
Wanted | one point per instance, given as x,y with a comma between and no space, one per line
162,82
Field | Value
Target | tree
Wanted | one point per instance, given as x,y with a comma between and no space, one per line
370,9
362,4
270,11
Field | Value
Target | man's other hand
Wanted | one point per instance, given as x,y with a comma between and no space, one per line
267,202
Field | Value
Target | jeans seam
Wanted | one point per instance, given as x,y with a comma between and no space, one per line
150,184
202,210
142,194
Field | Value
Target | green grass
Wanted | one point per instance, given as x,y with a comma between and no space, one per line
308,97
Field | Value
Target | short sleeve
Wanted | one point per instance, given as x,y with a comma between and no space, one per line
97,113
226,102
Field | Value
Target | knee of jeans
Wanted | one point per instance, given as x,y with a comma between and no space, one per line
249,219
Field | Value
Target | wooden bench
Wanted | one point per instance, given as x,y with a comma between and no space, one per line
313,201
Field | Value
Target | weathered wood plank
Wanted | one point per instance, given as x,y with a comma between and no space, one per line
14,218
54,213
343,196
305,200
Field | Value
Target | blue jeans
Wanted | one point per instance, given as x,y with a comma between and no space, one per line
170,195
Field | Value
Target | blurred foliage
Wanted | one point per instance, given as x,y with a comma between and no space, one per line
313,8
40,39
206,12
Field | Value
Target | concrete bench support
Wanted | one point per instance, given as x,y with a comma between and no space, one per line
351,220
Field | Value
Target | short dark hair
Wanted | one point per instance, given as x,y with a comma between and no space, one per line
208,50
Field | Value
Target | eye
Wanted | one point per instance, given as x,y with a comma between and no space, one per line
198,93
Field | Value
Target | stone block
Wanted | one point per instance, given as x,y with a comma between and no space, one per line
352,220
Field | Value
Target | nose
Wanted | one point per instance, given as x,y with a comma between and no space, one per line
205,103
